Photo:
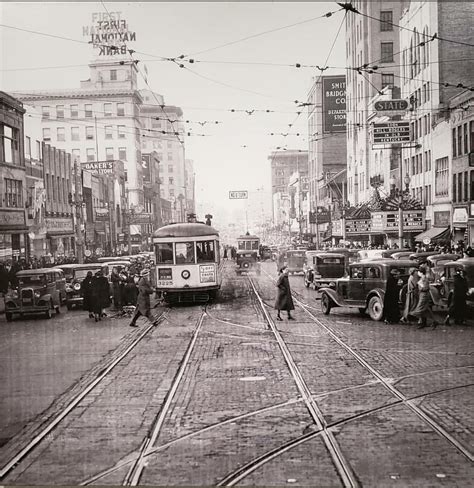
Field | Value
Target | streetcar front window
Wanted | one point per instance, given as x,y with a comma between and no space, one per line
254,245
164,253
184,252
205,252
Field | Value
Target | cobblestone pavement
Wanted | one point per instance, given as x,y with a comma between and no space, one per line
238,403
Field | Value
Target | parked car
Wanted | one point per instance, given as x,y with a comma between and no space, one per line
388,253
75,274
365,286
39,291
322,268
442,290
265,252
402,255
295,259
422,257
370,254
351,254
437,262
247,261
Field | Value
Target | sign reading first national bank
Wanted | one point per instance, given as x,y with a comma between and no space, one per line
109,33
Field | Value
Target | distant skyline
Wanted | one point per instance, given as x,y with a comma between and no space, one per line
234,153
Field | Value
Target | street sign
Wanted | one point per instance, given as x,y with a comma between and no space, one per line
392,132
238,195
391,107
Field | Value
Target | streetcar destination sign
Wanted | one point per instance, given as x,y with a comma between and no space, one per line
391,132
235,195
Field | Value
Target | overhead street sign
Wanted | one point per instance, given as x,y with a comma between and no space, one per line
392,132
391,107
237,195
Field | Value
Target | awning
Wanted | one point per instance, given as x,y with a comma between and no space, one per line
434,234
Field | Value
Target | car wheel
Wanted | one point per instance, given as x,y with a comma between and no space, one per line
9,316
375,308
306,282
326,304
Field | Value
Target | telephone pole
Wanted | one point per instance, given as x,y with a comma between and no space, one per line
78,206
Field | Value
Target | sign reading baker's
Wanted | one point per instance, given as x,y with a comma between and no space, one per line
99,167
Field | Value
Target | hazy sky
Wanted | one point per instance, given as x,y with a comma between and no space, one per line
171,29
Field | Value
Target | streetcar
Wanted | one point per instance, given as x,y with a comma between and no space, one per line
187,262
247,258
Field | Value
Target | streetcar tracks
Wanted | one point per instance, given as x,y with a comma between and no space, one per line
52,424
436,426
342,465
133,476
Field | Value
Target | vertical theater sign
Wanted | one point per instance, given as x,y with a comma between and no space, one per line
109,33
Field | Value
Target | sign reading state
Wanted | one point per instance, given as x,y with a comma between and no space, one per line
238,194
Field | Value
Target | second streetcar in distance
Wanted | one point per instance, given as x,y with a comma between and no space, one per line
187,262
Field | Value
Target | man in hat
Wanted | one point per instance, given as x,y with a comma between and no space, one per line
391,311
143,300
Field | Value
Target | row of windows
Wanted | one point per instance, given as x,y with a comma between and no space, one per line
91,155
89,133
109,109
419,163
185,252
417,56
28,154
56,189
13,193
421,127
463,139
422,194
421,96
463,186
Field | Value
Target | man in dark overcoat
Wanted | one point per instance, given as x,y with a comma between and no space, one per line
143,300
87,293
284,301
100,294
391,310
457,306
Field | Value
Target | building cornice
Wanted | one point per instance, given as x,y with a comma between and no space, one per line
75,94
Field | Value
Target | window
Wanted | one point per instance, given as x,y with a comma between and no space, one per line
472,185
13,193
45,112
108,132
356,273
170,168
386,52
170,156
184,252
171,181
466,187
74,111
61,134
38,150
120,109
76,155
205,252
88,109
386,20
8,143
109,153
441,177
89,133
28,147
74,133
122,155
164,253
466,149
46,134
113,75
388,79
121,131
471,136
60,111
108,109
90,154
454,188
171,192
371,272
459,187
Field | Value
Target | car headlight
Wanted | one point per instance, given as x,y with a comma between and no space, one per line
185,274
13,294
77,286
37,294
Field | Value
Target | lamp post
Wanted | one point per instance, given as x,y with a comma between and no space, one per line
78,203
402,195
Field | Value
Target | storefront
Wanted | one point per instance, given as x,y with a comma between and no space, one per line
13,238
358,230
460,223
388,223
59,236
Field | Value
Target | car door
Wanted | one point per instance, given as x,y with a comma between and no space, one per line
355,285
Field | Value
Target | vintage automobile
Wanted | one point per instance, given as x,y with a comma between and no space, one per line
365,286
442,289
295,259
401,255
323,268
437,262
350,254
75,274
388,253
40,291
422,257
265,252
246,262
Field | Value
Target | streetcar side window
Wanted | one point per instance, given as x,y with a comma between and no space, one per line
184,252
254,245
241,245
205,252
164,253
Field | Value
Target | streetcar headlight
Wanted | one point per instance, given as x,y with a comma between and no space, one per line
185,274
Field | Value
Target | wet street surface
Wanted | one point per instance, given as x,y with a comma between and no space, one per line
224,395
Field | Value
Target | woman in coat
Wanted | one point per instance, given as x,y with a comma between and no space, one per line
87,294
423,308
411,300
143,302
458,307
101,294
284,300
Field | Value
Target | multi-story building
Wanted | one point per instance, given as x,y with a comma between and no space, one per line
432,73
283,164
327,157
98,122
164,133
190,187
13,228
371,40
